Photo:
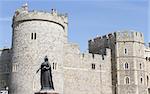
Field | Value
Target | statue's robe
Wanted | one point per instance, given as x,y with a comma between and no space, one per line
46,76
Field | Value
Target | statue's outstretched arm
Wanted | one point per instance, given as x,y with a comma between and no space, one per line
38,70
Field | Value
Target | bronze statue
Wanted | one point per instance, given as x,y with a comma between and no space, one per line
46,75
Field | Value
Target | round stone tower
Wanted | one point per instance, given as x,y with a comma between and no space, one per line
36,35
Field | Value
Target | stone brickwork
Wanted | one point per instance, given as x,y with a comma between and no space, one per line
117,63
128,53
130,50
98,46
80,78
36,35
147,69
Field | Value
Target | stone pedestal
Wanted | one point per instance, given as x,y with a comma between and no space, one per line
46,92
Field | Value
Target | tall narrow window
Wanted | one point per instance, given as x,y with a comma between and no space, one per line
146,58
125,51
140,66
141,80
93,66
127,80
102,57
31,35
53,66
147,80
34,35
126,65
136,33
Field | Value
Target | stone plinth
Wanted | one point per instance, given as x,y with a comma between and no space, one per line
46,92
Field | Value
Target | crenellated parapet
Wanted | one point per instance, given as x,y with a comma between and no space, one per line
101,38
96,57
5,55
109,40
129,36
98,44
23,14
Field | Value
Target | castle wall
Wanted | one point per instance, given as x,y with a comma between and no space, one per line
111,59
80,78
5,61
36,35
98,46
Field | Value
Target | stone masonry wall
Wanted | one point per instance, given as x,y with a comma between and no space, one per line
99,45
147,68
80,78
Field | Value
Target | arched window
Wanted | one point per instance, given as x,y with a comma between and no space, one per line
127,80
126,65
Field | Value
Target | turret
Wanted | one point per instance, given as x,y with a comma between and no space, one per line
36,34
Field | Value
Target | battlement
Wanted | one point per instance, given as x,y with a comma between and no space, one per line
5,54
99,44
124,35
96,57
23,14
129,35
104,37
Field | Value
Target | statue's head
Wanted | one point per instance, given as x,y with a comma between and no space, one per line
46,58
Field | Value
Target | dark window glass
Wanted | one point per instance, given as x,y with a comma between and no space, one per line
126,65
140,66
125,51
53,66
31,35
34,35
141,80
93,66
127,80
147,80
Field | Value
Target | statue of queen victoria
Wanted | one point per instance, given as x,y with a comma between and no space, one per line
46,75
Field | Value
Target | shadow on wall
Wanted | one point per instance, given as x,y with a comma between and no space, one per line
5,62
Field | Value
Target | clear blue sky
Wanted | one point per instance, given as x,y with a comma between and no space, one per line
87,18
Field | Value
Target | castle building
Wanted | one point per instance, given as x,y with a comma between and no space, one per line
117,63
